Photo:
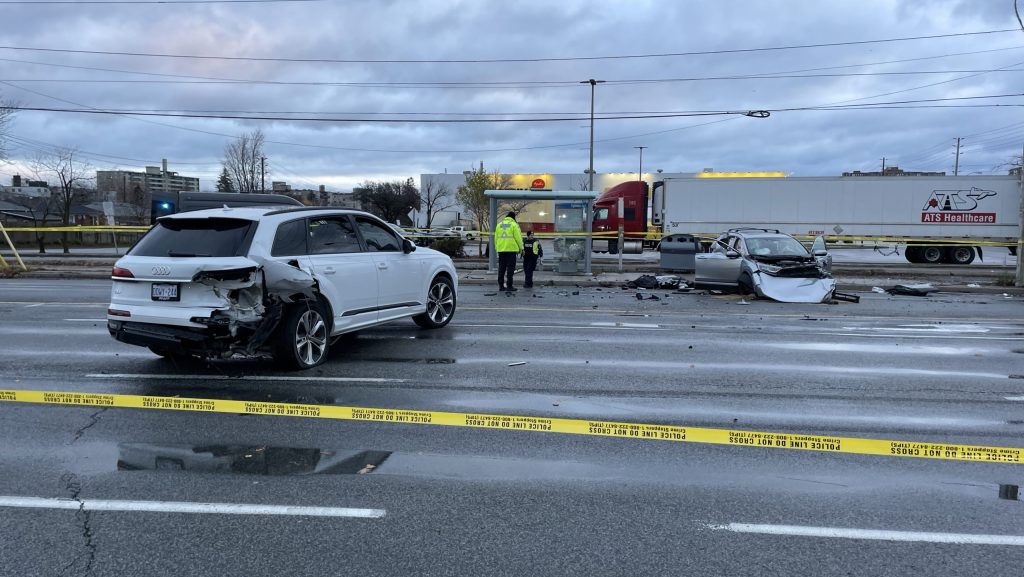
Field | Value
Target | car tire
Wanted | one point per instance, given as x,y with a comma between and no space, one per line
440,304
960,254
932,254
746,284
303,337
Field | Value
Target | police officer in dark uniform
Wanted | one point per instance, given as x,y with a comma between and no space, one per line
532,251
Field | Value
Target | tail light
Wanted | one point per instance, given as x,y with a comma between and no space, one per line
121,273
118,313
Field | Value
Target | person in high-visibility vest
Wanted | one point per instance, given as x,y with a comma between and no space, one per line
508,241
532,251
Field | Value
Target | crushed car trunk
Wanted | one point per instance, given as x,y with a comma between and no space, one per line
254,295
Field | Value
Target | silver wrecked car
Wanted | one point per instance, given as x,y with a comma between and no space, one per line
768,264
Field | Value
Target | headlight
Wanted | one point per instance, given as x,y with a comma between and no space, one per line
768,268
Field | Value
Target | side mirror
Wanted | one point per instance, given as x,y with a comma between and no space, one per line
820,252
408,246
732,254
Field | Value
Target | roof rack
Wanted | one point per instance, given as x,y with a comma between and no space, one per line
741,229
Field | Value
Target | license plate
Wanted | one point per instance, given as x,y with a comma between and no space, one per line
165,292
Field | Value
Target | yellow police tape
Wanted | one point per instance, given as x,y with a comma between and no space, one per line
640,431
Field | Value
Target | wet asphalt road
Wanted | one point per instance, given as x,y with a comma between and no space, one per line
469,502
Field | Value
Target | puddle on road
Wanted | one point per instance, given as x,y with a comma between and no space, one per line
247,460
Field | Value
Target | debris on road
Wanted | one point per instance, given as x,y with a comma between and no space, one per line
916,290
845,297
973,285
648,281
743,302
490,294
517,364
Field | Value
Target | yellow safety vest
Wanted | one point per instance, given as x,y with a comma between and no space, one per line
507,236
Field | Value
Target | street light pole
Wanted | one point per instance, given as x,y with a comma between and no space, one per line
640,175
592,84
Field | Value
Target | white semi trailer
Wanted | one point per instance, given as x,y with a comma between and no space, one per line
940,219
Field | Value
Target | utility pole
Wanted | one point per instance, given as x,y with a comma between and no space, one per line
956,166
1019,281
883,166
640,175
590,171
263,174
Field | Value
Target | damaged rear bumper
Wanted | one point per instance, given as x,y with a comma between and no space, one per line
169,337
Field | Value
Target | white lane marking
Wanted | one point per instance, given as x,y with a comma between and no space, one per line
86,320
929,337
926,329
872,534
1014,398
627,325
588,327
34,305
245,378
879,348
186,507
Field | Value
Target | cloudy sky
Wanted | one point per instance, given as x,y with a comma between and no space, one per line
530,57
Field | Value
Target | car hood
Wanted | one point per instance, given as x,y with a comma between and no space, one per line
796,290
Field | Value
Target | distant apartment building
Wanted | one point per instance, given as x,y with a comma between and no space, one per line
894,171
26,188
132,187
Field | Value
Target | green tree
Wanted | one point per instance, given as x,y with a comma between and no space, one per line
389,200
471,195
224,183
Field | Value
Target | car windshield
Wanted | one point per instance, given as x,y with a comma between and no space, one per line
775,246
195,237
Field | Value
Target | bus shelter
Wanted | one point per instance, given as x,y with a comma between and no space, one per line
573,220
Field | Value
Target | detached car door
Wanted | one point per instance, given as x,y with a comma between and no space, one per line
347,274
400,275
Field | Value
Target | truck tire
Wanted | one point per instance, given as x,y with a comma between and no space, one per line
960,254
303,337
932,254
913,254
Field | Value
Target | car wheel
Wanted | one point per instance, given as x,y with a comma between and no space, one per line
960,254
746,284
303,336
440,304
932,254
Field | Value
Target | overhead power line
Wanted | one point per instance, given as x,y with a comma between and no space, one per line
496,85
572,82
164,2
500,60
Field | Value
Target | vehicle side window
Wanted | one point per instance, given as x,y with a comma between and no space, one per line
738,245
601,214
720,245
377,238
290,239
332,235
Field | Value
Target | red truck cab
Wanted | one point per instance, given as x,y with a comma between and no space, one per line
636,200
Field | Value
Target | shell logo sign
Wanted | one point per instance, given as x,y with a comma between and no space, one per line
537,183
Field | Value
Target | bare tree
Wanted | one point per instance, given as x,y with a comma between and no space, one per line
582,183
242,160
436,198
71,175
471,195
388,200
